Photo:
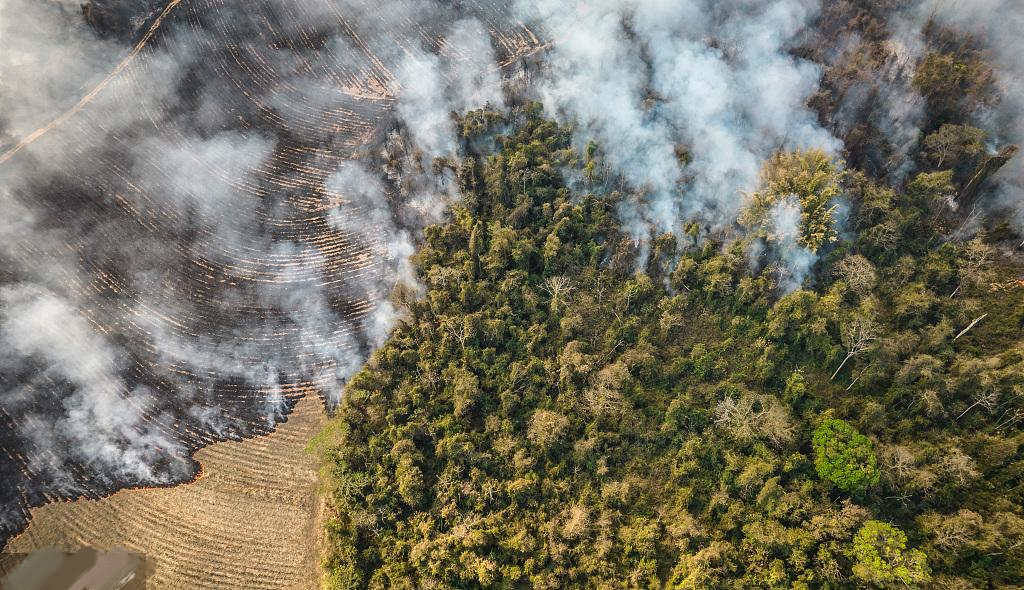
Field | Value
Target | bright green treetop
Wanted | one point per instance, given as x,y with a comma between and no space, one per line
844,457
810,176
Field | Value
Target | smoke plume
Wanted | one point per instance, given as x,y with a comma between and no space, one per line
192,242
998,24
652,79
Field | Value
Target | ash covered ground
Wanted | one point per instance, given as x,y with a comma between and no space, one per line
202,220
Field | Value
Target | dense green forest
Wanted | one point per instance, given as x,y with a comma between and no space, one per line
565,409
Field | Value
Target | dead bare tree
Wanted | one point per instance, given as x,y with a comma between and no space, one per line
954,531
987,398
604,396
558,288
858,273
900,463
457,330
972,264
755,416
959,466
857,338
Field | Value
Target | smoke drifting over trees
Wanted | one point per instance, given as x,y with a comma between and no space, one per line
217,230
712,78
997,24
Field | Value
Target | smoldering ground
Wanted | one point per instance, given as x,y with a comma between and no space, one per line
196,247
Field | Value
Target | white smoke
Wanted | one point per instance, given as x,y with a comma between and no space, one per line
687,98
644,77
73,362
432,87
421,104
203,182
476,80
104,425
35,86
641,77
794,261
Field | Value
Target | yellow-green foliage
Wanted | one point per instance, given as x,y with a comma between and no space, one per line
545,416
882,559
813,178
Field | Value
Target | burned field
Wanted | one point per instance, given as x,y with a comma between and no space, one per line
191,249
249,521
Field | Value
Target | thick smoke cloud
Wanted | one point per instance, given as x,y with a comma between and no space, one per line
53,79
430,124
102,424
883,99
63,383
431,87
648,78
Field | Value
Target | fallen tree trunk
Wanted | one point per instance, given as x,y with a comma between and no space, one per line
985,170
972,324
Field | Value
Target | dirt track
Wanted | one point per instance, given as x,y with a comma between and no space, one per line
250,521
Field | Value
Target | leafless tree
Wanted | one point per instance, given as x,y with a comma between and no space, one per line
457,330
858,273
857,338
952,141
973,264
1014,412
604,397
441,277
558,288
900,462
986,397
969,326
755,416
930,402
954,531
959,465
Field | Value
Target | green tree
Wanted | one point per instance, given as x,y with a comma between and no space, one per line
410,482
881,558
521,429
844,457
953,84
955,144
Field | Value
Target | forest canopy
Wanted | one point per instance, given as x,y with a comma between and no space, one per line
564,408
825,392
